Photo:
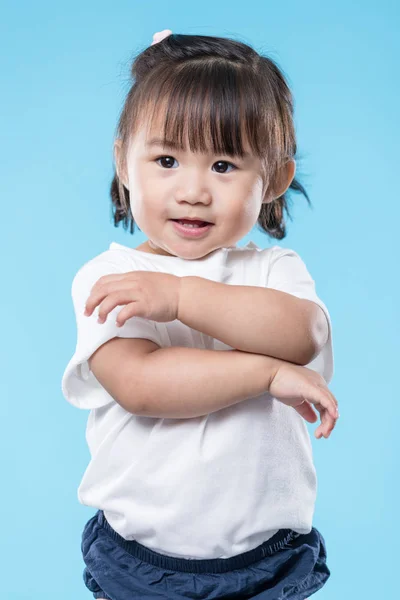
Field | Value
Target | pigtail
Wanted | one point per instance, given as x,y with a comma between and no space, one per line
272,218
120,205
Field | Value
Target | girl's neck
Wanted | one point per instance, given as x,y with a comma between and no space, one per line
149,247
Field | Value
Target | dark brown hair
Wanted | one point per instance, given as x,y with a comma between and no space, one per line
215,91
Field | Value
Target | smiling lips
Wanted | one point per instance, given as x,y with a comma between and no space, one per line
194,220
193,224
190,228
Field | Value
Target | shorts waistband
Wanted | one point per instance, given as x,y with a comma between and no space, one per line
214,565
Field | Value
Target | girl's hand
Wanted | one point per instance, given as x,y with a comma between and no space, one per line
300,387
147,294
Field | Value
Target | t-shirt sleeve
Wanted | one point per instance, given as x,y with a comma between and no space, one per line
79,385
288,273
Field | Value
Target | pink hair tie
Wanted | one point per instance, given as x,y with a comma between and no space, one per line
160,35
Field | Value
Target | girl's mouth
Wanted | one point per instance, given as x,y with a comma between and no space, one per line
196,229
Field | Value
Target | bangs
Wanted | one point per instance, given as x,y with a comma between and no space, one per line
208,107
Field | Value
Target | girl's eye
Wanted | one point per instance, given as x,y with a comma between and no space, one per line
224,162
168,159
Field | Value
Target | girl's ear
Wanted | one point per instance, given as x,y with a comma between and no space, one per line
284,179
118,163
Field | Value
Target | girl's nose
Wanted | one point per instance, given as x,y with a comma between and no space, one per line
193,189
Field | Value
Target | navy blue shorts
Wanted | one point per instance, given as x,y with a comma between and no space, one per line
287,566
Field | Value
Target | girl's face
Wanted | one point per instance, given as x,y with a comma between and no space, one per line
165,184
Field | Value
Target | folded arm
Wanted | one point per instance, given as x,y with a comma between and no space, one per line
254,319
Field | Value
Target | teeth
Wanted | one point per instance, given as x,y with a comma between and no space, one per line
191,225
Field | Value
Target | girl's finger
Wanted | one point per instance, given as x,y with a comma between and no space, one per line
129,311
327,422
325,389
306,411
113,300
98,294
321,395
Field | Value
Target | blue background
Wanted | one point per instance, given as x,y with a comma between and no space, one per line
65,73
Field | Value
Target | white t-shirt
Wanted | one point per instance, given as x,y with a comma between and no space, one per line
206,487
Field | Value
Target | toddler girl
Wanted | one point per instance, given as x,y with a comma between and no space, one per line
206,359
